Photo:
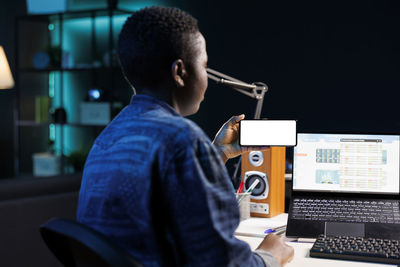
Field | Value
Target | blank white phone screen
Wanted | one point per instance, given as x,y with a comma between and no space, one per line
268,133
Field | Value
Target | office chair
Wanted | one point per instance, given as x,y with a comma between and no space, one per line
76,245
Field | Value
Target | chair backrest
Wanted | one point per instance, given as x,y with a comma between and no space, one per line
75,244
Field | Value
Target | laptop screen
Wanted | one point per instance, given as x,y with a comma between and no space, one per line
347,163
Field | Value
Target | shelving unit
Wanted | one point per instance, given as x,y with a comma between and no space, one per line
84,43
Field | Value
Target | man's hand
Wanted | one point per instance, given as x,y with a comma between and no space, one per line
227,139
277,247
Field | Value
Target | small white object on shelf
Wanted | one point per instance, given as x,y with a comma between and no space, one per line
95,113
46,164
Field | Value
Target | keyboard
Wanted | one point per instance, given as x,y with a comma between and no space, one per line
357,248
344,210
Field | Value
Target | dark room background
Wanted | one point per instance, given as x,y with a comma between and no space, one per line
332,65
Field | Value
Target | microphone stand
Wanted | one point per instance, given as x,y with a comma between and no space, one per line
255,90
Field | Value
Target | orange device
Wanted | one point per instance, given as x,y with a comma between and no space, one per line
268,197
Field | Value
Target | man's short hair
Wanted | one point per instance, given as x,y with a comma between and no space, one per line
151,40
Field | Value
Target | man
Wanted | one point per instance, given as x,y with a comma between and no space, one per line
153,181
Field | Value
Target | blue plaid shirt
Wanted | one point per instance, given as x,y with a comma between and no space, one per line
154,184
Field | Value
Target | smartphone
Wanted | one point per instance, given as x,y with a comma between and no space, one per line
267,133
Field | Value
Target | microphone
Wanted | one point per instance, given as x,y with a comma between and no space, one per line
229,81
237,85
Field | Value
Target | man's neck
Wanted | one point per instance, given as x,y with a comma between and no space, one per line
163,94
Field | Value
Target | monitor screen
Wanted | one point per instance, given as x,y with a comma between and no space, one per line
347,163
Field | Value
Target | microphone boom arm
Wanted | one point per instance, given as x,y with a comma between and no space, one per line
255,90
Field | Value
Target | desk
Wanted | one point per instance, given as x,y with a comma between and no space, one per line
250,231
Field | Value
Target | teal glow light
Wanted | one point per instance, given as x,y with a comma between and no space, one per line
136,5
51,27
51,84
78,31
52,132
52,127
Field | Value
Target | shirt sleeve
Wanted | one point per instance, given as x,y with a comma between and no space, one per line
267,257
203,209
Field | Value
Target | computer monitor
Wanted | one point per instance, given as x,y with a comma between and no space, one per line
347,163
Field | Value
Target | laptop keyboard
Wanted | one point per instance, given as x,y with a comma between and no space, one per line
344,210
357,248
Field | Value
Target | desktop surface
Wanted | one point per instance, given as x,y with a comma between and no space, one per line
252,230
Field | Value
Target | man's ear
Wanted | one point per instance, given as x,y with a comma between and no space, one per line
178,72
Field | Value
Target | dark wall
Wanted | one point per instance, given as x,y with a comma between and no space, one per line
8,11
332,65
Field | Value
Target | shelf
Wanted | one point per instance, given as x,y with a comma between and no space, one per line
32,123
86,35
83,125
115,68
28,123
74,14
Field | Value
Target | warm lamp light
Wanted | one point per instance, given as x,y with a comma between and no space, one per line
6,79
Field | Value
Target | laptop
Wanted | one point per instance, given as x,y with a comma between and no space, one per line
345,185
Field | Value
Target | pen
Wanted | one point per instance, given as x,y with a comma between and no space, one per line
240,189
279,232
253,185
268,231
276,230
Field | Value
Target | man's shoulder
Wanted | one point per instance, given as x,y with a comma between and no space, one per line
176,127
158,128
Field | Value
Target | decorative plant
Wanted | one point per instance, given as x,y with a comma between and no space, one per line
77,160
